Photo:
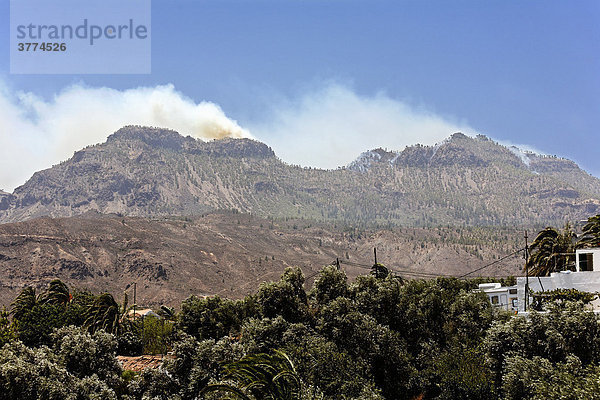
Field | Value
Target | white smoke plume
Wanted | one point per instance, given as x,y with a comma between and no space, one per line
324,128
35,133
521,150
331,126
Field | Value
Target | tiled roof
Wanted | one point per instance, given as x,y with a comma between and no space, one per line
141,363
142,313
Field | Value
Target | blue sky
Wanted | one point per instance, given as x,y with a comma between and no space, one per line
298,73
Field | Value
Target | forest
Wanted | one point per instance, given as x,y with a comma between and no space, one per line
379,337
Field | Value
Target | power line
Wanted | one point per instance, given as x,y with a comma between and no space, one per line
429,274
312,275
492,263
399,270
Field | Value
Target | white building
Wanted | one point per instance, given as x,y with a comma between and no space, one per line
504,297
585,279
585,259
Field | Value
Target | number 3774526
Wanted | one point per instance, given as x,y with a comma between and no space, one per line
44,46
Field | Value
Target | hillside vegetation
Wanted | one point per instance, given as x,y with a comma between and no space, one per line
463,181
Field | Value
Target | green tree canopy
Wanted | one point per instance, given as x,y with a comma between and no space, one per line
286,297
329,285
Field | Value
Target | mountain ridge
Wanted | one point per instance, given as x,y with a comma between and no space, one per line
141,171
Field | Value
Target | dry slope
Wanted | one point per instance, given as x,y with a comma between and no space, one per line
224,253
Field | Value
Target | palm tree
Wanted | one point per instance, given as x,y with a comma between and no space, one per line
104,313
260,376
551,251
57,293
590,236
23,302
168,313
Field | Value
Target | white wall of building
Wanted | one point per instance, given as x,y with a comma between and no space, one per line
596,258
583,281
500,296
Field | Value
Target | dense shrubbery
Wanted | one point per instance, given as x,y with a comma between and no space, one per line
78,366
376,338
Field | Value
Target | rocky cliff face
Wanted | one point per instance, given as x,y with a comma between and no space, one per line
142,171
461,150
6,199
138,171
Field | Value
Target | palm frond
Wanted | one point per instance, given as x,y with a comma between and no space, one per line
551,251
265,376
23,302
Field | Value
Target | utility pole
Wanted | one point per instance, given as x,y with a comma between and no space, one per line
134,299
526,273
375,254
337,263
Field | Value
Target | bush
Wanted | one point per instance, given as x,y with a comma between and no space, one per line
540,379
461,373
33,374
552,336
35,327
262,335
155,335
154,384
211,317
323,364
285,298
8,332
129,344
196,363
85,355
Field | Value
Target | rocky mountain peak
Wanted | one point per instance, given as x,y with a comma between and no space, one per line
458,136
160,138
154,137
5,199
154,172
366,159
239,148
458,149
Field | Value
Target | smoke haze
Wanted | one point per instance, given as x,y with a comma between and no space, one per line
35,134
331,126
325,128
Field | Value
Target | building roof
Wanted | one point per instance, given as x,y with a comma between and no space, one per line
491,285
141,363
146,312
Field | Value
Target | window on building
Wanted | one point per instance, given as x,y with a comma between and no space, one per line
512,291
495,300
586,262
